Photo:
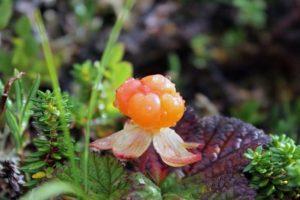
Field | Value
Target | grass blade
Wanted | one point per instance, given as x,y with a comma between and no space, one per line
34,88
52,189
19,92
14,128
56,89
7,87
95,90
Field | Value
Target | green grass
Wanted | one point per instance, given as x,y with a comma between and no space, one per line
107,54
56,89
97,83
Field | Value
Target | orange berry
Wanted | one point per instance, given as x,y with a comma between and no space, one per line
144,109
172,109
159,84
151,102
125,92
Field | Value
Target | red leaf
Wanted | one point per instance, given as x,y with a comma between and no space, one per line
223,143
224,139
229,186
150,163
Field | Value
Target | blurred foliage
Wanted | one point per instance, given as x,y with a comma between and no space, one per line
6,12
84,11
25,54
174,69
218,48
171,188
208,49
275,170
200,45
251,12
143,188
250,111
294,173
51,149
114,75
53,189
232,39
189,188
285,118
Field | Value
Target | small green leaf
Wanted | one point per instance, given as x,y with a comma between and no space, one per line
18,91
31,183
45,148
40,142
23,27
5,62
14,127
34,166
49,171
117,53
269,190
189,188
269,168
56,156
6,12
1,87
36,154
30,159
175,67
143,188
121,72
247,168
52,189
263,182
31,94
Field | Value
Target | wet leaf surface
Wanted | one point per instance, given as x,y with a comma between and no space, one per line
224,141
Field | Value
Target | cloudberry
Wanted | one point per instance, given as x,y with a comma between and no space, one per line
151,102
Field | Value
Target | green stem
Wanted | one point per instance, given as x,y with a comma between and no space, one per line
95,90
57,93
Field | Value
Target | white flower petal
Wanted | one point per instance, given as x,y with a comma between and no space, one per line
104,143
172,149
132,142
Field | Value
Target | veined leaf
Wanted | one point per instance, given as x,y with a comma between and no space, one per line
223,144
224,141
106,178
